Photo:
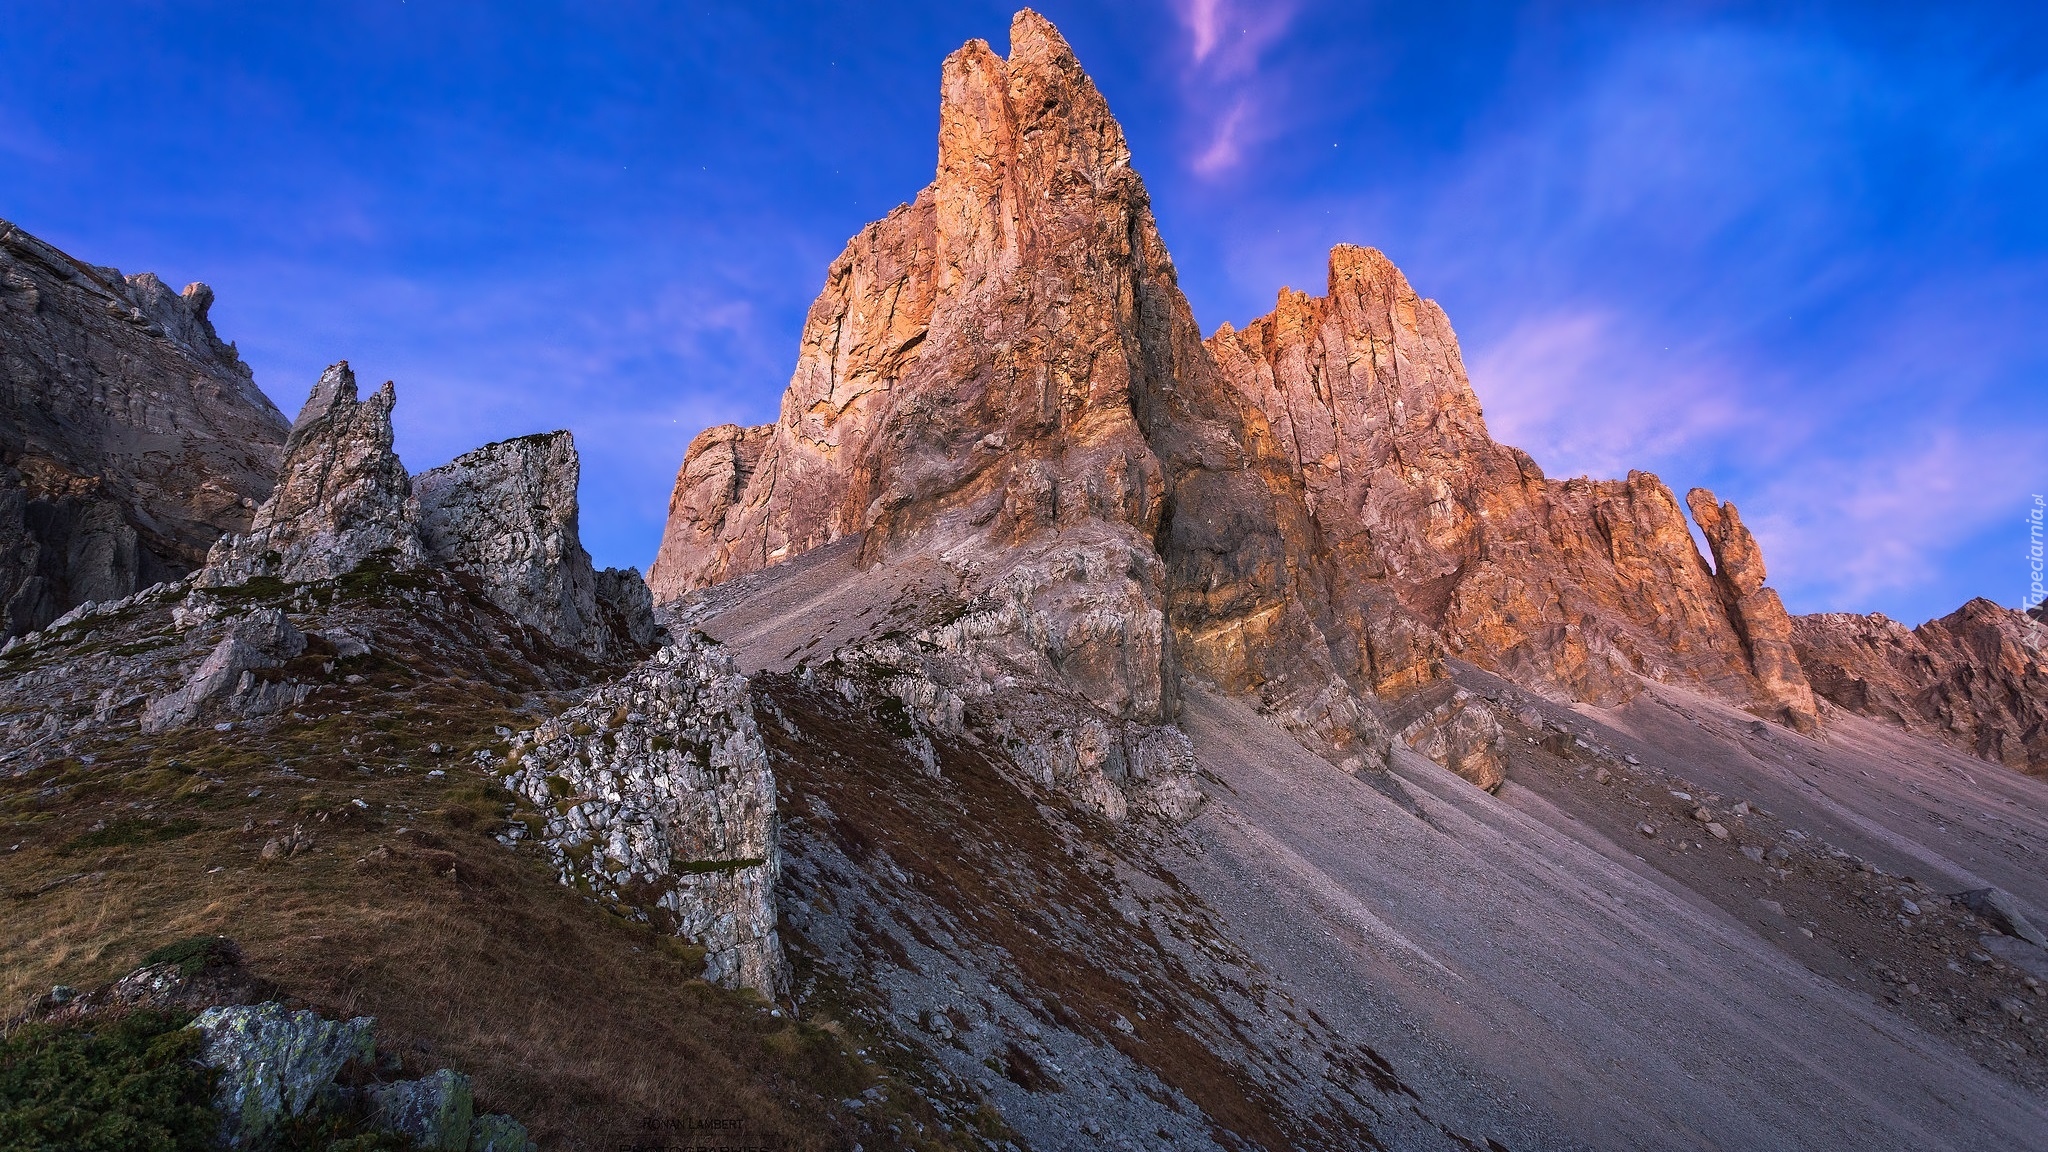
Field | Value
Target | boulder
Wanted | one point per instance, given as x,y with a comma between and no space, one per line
493,1133
226,682
435,1112
275,1064
1998,910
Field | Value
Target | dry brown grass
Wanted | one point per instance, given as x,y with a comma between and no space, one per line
588,1026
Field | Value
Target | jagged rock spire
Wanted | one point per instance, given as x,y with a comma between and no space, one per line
1758,614
506,513
342,496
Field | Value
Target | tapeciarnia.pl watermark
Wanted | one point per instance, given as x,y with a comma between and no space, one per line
2036,591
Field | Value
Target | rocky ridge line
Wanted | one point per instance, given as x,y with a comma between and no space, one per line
504,514
1976,678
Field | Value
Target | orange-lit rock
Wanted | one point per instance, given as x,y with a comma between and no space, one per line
1443,540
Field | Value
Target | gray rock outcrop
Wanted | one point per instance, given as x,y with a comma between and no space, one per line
492,1133
342,495
506,514
656,792
131,436
1998,910
227,680
435,1112
276,1064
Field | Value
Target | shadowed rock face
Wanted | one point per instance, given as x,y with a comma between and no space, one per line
342,496
1976,678
131,436
506,514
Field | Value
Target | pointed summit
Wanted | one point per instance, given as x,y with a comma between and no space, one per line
342,495
1005,372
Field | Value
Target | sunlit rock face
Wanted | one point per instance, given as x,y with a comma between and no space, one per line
1977,678
1005,371
1004,374
1443,540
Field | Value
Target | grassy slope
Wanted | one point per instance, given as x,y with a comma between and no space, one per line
576,1019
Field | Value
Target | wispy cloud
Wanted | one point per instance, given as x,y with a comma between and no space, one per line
1204,20
1226,94
1224,150
1586,394
1851,532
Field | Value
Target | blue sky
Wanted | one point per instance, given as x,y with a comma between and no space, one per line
1796,252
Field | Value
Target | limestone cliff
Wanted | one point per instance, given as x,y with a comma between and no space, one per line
506,514
131,435
1976,678
1004,374
1441,539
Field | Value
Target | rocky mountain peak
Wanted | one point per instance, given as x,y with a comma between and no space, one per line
1758,615
342,496
504,516
1005,372
1004,376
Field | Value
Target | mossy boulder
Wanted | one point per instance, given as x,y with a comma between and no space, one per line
434,1111
276,1064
